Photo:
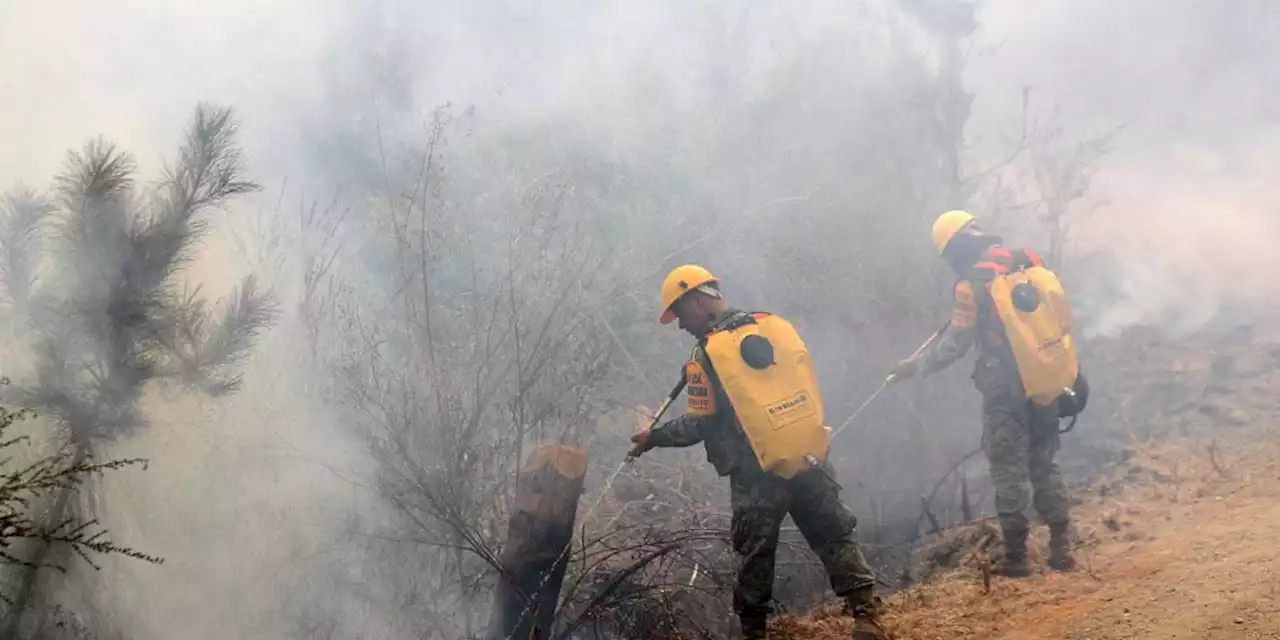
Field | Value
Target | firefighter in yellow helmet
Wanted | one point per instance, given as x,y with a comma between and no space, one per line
755,406
1020,436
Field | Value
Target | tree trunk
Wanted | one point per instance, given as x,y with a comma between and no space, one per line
539,532
1057,234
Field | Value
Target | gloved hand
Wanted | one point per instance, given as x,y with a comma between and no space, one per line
643,442
903,370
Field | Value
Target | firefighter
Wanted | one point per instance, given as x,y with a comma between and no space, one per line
1020,436
754,404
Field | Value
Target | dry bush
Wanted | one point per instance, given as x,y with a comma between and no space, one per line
24,486
483,342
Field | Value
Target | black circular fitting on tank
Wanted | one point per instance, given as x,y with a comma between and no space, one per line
757,352
1026,298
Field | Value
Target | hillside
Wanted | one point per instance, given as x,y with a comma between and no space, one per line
1176,532
1171,547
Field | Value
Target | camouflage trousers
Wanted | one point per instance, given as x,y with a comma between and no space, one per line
760,503
1020,440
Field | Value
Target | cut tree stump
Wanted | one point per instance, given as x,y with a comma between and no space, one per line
541,528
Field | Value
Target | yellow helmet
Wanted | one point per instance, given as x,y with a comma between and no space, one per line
948,225
680,281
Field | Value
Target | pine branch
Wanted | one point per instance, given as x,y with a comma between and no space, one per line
201,350
250,312
95,193
207,174
55,377
22,212
97,174
178,329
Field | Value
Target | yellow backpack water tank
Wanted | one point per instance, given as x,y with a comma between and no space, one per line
767,374
1032,305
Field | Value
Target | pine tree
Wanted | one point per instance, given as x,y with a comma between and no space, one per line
91,275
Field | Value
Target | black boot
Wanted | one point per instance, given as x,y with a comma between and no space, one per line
865,608
1060,548
1014,564
754,628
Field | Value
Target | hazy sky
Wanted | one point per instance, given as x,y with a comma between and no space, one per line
132,68
1195,83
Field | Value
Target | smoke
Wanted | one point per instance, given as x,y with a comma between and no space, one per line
258,507
134,70
777,128
1200,251
1186,201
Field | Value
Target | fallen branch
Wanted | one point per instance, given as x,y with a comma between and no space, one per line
929,500
938,485
608,591
1213,458
933,520
979,556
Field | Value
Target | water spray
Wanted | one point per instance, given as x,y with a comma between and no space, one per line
608,484
888,380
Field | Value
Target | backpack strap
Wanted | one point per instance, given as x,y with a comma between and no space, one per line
997,261
1032,258
728,323
733,321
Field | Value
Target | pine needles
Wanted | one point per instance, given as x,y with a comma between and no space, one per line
104,313
113,316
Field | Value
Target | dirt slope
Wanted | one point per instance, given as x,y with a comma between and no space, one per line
1177,544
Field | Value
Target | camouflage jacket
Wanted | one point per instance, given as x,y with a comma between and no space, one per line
973,323
727,447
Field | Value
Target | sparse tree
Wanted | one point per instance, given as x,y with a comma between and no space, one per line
1051,180
95,270
1063,172
468,359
